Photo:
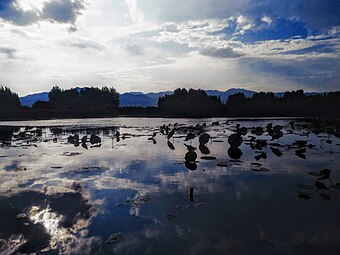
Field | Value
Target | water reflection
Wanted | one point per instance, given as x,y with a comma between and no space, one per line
33,221
170,186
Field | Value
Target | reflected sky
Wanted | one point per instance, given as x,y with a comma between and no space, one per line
132,189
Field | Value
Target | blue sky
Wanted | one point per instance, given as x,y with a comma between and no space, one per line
157,45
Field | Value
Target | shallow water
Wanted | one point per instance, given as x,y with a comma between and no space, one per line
131,194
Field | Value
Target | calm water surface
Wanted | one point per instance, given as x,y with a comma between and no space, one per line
138,192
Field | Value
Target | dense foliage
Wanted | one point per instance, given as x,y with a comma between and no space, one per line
83,98
8,99
189,103
294,103
104,102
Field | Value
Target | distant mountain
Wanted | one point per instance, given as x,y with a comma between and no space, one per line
29,100
225,94
156,95
137,100
140,99
151,99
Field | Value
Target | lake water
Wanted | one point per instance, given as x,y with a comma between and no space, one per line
138,192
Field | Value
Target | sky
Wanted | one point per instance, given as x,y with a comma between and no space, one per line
159,45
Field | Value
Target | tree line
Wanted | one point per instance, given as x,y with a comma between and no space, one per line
290,104
69,103
104,102
189,103
84,98
8,99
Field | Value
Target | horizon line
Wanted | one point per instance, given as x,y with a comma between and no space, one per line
121,93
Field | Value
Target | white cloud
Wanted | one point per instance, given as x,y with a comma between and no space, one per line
60,11
267,19
7,51
135,14
133,49
82,43
151,45
226,52
243,24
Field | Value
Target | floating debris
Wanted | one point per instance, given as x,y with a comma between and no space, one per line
256,164
21,216
325,172
189,137
190,156
179,207
235,140
321,185
208,158
325,196
258,131
242,130
300,153
73,139
261,169
171,134
304,196
115,238
305,186
120,204
171,216
22,168
276,151
84,139
190,148
178,163
204,138
90,168
300,143
259,144
204,149
223,164
235,153
262,155
190,206
71,154
139,201
94,139
198,205
337,186
192,166
170,145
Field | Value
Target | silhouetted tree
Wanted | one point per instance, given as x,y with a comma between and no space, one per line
42,105
293,103
85,98
192,103
104,102
8,99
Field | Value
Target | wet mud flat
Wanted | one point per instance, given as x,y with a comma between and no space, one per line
170,186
